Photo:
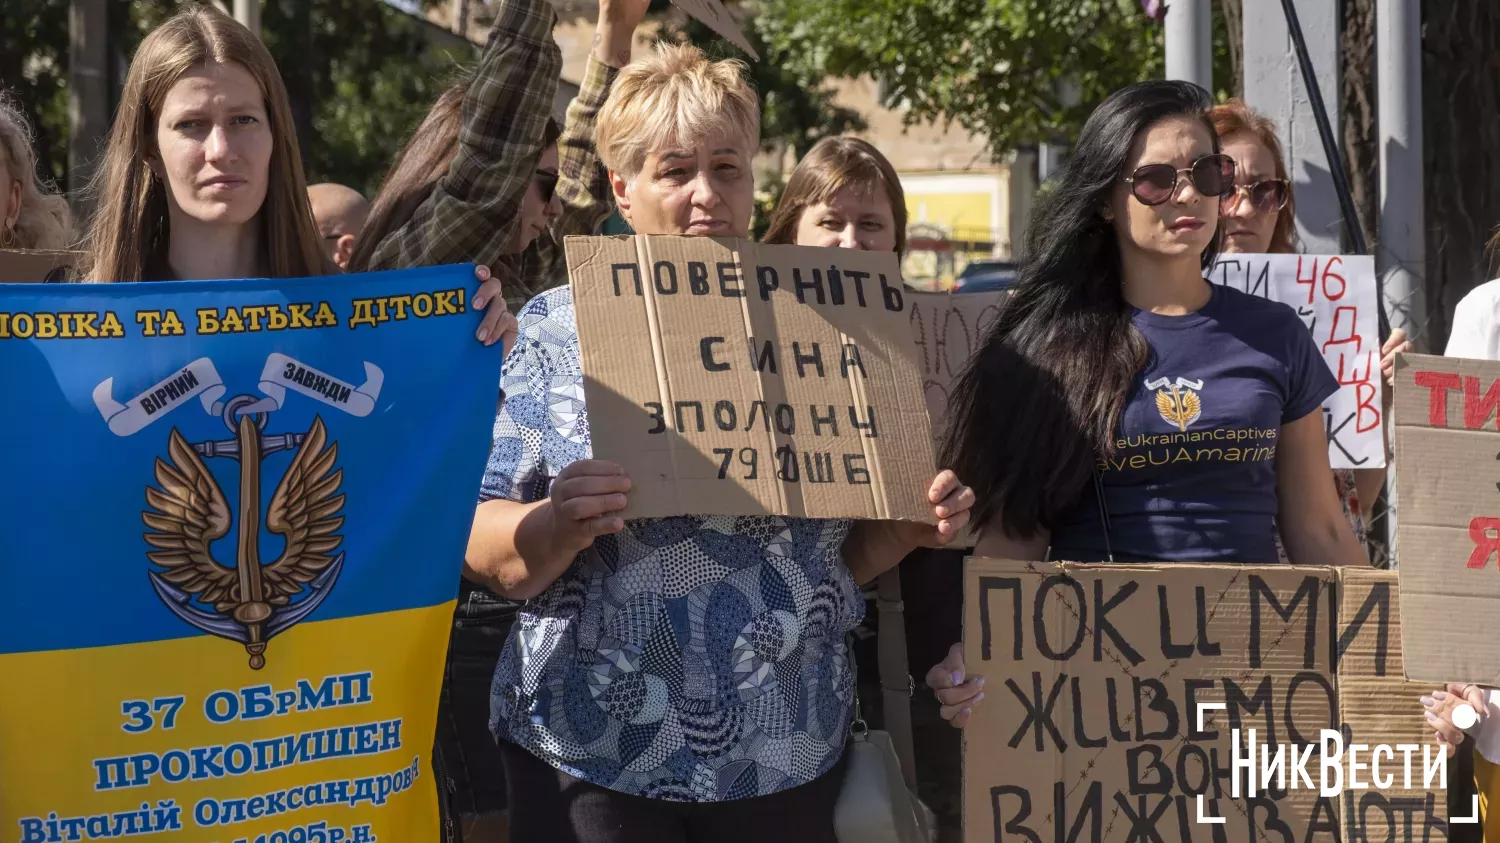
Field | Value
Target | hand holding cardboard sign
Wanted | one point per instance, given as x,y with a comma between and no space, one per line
1396,343
951,501
956,692
585,500
1441,706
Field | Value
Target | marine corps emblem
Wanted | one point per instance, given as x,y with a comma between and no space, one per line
249,602
1178,403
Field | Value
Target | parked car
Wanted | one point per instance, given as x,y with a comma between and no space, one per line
984,276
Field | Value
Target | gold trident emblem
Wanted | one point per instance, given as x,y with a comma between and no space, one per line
188,513
1181,406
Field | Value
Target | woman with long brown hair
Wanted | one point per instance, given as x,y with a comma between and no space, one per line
202,178
202,148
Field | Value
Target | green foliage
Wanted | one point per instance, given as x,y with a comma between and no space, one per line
360,74
1020,72
794,111
767,197
33,65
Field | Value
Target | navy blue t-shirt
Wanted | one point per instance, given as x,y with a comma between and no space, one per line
1193,476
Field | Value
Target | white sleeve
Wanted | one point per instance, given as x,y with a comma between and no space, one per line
1473,322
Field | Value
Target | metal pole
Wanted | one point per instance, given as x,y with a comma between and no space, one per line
1331,149
1325,130
1398,102
1403,245
1189,30
247,12
88,95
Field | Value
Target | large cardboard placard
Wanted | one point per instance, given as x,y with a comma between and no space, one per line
1448,534
947,329
35,266
712,14
1337,299
1090,727
730,377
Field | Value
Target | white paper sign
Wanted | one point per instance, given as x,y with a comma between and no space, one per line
1337,299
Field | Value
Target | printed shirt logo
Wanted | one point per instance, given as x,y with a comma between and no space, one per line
1179,403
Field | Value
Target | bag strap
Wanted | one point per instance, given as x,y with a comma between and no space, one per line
1109,549
895,677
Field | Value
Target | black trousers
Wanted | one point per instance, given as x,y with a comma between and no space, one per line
552,806
470,777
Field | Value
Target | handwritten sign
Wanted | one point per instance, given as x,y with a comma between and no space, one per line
947,329
1115,693
1337,299
744,379
1447,443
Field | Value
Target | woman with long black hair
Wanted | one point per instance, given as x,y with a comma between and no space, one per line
1123,408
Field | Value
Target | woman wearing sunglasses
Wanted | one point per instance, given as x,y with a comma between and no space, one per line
1259,217
1123,408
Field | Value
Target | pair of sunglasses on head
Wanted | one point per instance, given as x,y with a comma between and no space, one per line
1211,175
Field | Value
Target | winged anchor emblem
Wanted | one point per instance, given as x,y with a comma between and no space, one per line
187,512
1178,403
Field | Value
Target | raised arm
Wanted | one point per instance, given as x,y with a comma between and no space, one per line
583,183
471,212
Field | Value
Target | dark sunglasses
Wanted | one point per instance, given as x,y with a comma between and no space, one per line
1266,197
1211,175
546,185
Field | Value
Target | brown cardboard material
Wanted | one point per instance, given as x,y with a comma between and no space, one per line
711,13
34,266
1376,704
681,370
1447,443
947,329
1093,674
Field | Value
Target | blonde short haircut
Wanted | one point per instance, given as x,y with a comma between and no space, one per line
674,97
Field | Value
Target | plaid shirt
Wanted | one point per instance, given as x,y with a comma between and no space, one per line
471,213
583,186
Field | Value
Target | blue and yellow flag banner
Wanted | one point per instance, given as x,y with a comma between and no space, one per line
230,544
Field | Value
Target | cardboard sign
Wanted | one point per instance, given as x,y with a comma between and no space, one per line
34,267
1448,532
1337,299
947,329
712,14
734,378
1091,728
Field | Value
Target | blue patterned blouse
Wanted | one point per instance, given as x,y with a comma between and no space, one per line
696,659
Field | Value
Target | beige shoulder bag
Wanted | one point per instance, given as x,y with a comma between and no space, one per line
878,801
